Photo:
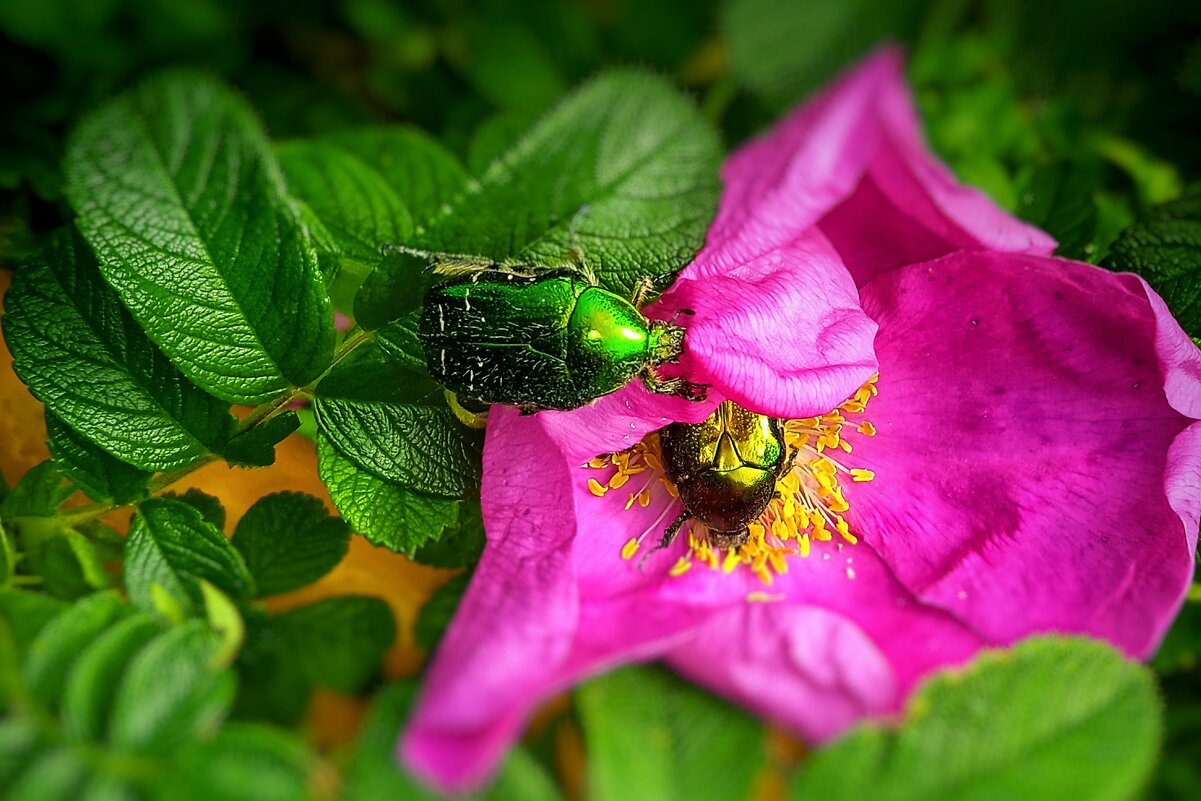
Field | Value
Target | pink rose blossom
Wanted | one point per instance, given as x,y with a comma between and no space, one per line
1036,463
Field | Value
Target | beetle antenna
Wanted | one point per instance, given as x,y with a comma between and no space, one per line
668,537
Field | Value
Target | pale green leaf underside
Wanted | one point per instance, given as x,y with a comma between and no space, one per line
177,191
627,150
1052,718
81,354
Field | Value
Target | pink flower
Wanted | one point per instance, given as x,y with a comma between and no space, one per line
1036,463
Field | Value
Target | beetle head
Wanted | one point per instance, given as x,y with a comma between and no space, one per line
666,343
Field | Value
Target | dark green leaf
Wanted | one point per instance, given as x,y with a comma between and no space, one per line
495,136
1051,718
20,740
256,447
1059,200
650,736
91,468
438,611
783,51
39,493
1181,649
398,340
170,545
275,763
393,291
54,653
422,173
522,778
398,428
338,642
384,513
626,160
272,685
513,69
82,355
288,540
461,545
374,772
1165,248
353,202
177,190
171,693
209,506
88,696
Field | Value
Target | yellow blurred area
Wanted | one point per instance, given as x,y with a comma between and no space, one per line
366,570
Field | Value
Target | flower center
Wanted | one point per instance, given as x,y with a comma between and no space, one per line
808,506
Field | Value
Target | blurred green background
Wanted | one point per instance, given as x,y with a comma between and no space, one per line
1077,116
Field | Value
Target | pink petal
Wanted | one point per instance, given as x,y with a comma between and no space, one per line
1023,440
777,330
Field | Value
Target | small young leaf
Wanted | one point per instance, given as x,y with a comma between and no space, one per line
338,642
53,654
224,619
91,468
1165,248
393,292
625,169
20,740
80,353
177,190
169,544
382,512
1051,718
277,764
171,693
352,201
39,493
88,695
27,613
56,774
438,611
209,506
288,540
256,447
420,171
651,736
397,428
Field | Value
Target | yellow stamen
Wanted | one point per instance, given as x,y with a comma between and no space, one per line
681,567
862,475
630,548
596,488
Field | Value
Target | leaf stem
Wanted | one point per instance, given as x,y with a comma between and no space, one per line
261,414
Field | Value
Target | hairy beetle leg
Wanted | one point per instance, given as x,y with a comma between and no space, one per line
673,386
669,537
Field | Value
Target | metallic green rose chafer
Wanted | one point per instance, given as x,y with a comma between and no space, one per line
541,338
725,469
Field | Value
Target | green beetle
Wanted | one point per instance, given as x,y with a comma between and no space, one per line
541,338
725,469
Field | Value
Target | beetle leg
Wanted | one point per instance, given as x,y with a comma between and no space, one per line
527,409
643,288
673,386
668,536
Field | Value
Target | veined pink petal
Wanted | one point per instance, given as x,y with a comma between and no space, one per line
1023,440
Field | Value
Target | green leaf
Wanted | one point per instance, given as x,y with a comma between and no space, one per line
224,619
783,51
39,493
89,693
438,611
171,694
209,506
288,540
1059,200
382,512
374,772
419,170
20,741
271,683
626,159
398,428
1051,718
1181,649
495,136
353,202
54,775
650,736
394,291
82,355
91,468
511,67
275,763
256,447
27,613
338,642
1165,248
461,545
53,654
169,544
522,778
176,189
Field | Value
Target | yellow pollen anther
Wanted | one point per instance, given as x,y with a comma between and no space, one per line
596,488
862,475
866,429
629,549
680,567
